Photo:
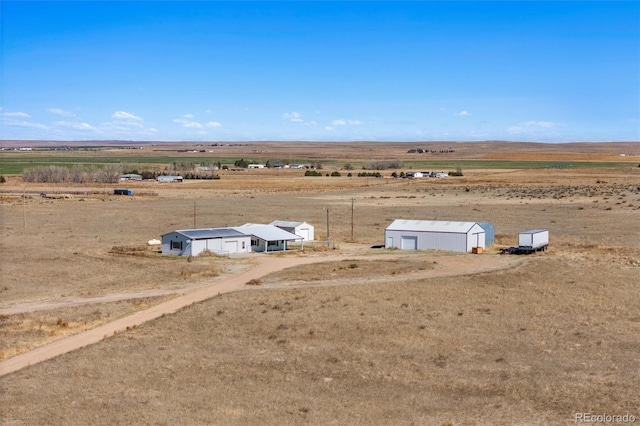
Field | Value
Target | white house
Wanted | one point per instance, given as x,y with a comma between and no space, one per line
301,229
267,237
413,175
256,166
192,242
434,234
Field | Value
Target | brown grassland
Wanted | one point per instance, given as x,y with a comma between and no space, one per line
377,337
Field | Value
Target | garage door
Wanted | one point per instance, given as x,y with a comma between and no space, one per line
409,243
231,246
304,233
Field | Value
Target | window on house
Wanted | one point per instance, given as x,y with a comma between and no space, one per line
176,245
273,243
254,242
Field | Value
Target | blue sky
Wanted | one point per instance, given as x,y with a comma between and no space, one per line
330,71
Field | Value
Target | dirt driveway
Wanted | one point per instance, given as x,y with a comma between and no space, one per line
449,265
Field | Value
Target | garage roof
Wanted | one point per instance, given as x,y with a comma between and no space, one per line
209,233
430,226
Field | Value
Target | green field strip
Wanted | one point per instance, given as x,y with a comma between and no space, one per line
15,164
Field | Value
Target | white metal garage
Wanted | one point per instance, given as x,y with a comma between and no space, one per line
434,234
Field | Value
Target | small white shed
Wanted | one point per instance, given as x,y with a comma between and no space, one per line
301,229
434,234
265,238
192,242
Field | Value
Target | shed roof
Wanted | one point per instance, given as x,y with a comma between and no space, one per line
209,233
534,231
267,232
430,226
287,223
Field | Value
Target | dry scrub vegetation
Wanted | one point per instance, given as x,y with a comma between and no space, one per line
22,332
380,337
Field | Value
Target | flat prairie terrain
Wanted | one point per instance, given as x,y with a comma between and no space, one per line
375,337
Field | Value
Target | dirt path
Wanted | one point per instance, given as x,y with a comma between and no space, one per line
67,302
264,266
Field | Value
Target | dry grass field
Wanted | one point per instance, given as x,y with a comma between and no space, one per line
378,337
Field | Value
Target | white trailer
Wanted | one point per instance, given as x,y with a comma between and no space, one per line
535,240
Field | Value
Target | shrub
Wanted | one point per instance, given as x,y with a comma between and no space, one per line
382,165
336,174
2,179
369,174
241,163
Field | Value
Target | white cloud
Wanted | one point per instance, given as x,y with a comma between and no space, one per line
462,113
187,122
311,123
16,114
329,128
25,124
343,122
114,127
61,112
75,126
294,117
532,126
123,115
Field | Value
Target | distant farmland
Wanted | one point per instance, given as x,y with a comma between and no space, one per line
16,162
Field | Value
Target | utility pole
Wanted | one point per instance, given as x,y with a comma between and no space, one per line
352,208
328,239
24,212
194,214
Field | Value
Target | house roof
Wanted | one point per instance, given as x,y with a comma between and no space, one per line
267,232
430,226
209,233
287,223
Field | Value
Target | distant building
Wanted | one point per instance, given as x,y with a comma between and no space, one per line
256,166
169,179
131,176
